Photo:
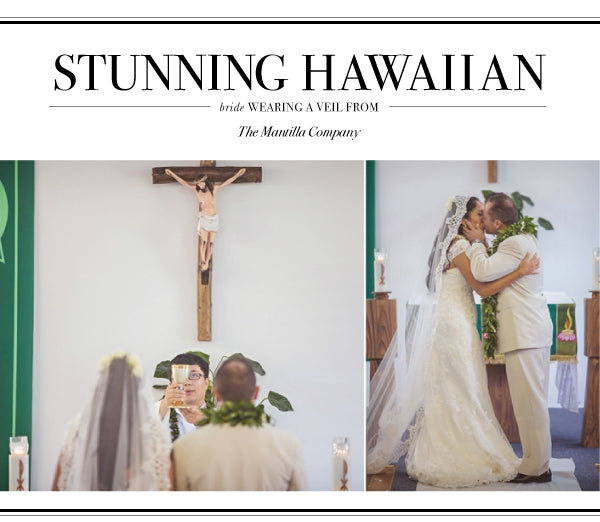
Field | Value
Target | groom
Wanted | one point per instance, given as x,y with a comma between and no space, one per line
524,332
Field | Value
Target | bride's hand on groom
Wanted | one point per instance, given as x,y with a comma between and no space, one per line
472,232
529,265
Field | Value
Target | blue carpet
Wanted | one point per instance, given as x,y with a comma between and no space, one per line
565,428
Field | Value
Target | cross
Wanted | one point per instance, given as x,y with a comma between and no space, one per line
492,171
216,175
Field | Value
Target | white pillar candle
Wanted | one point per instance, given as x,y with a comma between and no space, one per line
340,464
380,275
18,464
596,270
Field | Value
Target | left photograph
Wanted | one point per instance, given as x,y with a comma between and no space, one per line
182,325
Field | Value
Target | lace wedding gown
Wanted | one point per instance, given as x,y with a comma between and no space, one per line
457,441
116,443
151,472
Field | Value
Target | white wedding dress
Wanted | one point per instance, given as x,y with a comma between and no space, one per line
457,441
429,398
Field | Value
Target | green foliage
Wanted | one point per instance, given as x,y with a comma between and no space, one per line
489,305
519,200
242,413
279,401
162,371
255,365
516,197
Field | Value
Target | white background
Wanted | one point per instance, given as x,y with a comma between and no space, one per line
566,129
563,129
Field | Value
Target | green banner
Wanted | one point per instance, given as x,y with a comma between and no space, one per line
370,227
564,338
564,333
16,304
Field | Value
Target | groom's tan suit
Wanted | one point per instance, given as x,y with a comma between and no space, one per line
524,337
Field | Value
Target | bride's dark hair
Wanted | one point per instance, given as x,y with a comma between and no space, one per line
471,204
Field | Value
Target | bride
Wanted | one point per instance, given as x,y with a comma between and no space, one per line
429,398
116,443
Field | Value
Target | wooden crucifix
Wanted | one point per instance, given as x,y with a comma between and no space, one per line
206,180
492,171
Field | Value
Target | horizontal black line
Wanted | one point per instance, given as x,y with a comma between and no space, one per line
129,106
304,510
468,106
303,21
241,18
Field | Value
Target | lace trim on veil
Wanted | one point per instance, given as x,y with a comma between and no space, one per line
395,411
116,443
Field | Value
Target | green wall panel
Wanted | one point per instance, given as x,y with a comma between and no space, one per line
16,303
370,228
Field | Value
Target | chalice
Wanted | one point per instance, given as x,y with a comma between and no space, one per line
179,374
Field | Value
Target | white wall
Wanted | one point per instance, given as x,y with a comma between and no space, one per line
116,269
411,198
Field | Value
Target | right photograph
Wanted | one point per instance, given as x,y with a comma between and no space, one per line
482,322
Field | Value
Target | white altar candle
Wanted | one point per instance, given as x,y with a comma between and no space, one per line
18,464
340,462
380,275
596,270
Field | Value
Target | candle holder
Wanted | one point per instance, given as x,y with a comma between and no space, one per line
380,275
340,464
18,464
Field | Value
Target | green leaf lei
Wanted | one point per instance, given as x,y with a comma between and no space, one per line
242,413
489,305
173,424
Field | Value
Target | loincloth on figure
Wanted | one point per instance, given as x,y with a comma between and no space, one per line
208,223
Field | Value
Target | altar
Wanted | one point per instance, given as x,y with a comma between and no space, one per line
563,351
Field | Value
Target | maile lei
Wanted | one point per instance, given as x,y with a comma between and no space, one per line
173,424
242,413
489,305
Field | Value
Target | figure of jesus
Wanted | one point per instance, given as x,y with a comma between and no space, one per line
208,219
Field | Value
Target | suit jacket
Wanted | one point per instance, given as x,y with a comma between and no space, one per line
238,458
523,317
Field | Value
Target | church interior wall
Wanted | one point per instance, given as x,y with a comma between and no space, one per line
115,269
411,200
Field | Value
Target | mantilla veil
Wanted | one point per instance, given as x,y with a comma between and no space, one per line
116,443
395,409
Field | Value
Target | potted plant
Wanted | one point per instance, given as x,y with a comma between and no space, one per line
519,200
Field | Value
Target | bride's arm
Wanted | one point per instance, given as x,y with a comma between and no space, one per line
528,265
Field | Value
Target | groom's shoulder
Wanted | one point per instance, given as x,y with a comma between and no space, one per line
518,238
513,242
518,241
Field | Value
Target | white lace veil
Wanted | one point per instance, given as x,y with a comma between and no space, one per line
116,443
397,388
